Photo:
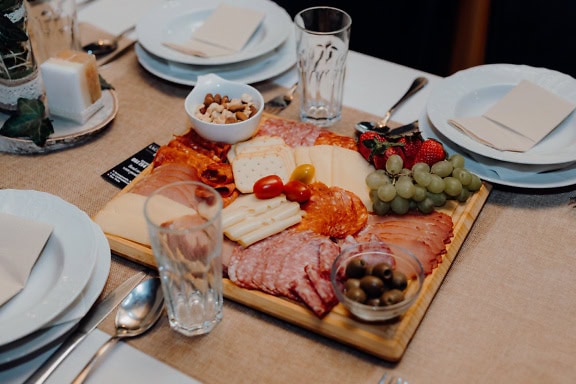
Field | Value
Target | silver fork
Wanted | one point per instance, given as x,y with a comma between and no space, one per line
280,102
391,379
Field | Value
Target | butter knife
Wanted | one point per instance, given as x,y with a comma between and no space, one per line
94,317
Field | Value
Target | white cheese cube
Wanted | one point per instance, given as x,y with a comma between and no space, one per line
72,85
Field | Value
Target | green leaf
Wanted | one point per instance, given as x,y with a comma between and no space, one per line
29,121
10,34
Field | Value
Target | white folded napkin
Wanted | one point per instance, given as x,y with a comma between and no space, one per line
116,16
224,32
21,243
520,120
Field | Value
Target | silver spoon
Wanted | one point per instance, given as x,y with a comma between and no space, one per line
102,47
137,313
380,126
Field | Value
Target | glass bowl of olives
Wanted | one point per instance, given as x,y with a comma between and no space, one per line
376,281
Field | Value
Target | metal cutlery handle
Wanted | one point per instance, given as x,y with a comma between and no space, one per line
42,374
92,319
417,85
95,359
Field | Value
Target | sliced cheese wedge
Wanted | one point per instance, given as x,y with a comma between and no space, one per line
254,222
245,205
338,166
269,230
124,216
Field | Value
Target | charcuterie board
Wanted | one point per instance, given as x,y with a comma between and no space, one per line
386,340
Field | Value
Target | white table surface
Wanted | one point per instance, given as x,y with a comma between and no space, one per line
372,85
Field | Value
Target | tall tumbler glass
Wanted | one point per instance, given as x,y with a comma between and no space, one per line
185,227
322,37
53,27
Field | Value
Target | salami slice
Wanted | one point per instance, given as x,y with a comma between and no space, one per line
333,212
292,264
304,290
294,133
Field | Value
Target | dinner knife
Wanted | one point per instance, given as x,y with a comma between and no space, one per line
94,317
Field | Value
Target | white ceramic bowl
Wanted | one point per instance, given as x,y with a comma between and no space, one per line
225,133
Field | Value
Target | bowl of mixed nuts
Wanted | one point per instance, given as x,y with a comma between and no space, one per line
224,111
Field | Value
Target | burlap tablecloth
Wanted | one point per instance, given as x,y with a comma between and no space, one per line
505,312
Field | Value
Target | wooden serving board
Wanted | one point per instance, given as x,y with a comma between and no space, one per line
387,340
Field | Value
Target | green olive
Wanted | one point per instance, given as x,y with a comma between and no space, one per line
372,285
356,294
374,302
392,296
356,268
369,270
351,283
383,271
399,280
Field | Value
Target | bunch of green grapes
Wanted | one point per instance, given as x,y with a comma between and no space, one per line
398,190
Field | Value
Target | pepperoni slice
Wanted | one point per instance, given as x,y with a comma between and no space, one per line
333,212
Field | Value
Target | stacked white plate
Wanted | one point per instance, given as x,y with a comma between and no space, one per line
471,92
66,280
269,52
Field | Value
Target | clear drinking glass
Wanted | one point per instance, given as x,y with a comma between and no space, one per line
53,27
185,228
322,38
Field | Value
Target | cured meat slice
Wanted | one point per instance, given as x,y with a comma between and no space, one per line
322,285
162,176
215,174
330,138
304,290
291,264
425,236
333,212
214,150
294,133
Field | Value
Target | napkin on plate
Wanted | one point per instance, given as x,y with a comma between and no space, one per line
21,242
520,120
224,32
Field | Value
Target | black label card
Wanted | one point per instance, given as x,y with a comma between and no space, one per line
122,174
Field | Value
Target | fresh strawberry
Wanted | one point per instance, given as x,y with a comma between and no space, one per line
431,151
380,159
411,146
368,142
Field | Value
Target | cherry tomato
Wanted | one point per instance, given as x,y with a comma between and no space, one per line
295,190
303,173
268,187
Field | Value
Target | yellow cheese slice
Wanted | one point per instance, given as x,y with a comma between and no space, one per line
349,171
254,222
321,158
245,205
124,216
269,230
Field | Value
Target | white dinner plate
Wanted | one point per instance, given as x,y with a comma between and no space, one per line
44,338
176,21
251,71
67,133
62,270
473,91
499,172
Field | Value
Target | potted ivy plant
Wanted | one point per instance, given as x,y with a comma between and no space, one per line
21,91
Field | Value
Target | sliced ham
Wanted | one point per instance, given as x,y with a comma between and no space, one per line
164,175
425,236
